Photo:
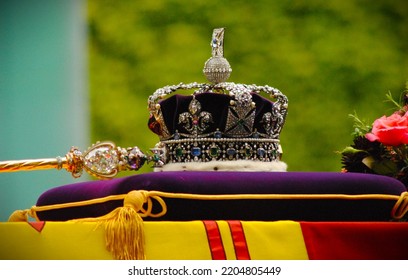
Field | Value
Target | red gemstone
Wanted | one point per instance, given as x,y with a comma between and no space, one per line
154,126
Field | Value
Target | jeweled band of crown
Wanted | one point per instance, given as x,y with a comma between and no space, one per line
222,149
195,138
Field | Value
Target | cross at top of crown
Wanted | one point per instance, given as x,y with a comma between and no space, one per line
217,69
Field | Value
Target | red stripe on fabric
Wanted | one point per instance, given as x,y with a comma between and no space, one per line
239,240
356,240
214,240
38,226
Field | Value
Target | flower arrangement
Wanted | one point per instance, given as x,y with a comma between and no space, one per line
380,147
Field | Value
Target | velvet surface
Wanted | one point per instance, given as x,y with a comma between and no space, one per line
237,183
214,103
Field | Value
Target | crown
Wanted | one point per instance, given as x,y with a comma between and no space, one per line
219,121
216,124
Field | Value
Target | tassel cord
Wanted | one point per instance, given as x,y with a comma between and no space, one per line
402,201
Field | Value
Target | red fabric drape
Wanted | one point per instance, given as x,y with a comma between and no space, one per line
356,241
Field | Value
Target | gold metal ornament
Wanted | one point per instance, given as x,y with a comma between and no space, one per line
103,160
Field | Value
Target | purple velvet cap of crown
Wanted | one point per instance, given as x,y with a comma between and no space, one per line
237,183
214,103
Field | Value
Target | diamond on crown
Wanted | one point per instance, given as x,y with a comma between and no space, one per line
195,121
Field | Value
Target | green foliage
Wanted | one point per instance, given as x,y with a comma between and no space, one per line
329,57
361,127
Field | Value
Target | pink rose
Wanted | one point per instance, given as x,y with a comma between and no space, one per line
390,131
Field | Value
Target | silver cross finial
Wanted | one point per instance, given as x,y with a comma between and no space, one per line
217,42
217,69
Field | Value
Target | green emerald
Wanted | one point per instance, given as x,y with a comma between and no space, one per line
179,152
214,151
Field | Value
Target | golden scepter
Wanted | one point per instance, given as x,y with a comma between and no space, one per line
102,160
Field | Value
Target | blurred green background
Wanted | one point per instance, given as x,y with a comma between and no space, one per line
330,58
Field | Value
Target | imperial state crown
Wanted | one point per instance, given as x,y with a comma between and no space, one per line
220,122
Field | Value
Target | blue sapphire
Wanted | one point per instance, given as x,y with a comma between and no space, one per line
261,152
231,152
196,151
217,134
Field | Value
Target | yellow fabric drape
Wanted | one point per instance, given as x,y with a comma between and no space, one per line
125,237
163,241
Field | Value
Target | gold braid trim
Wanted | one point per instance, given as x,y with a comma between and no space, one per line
399,209
124,225
401,206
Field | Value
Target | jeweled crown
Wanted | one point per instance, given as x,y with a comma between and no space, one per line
219,121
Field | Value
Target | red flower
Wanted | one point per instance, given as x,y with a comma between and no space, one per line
390,131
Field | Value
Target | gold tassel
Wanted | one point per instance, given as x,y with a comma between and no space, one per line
23,215
124,232
19,216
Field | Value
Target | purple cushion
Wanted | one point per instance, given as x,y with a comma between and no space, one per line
237,183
